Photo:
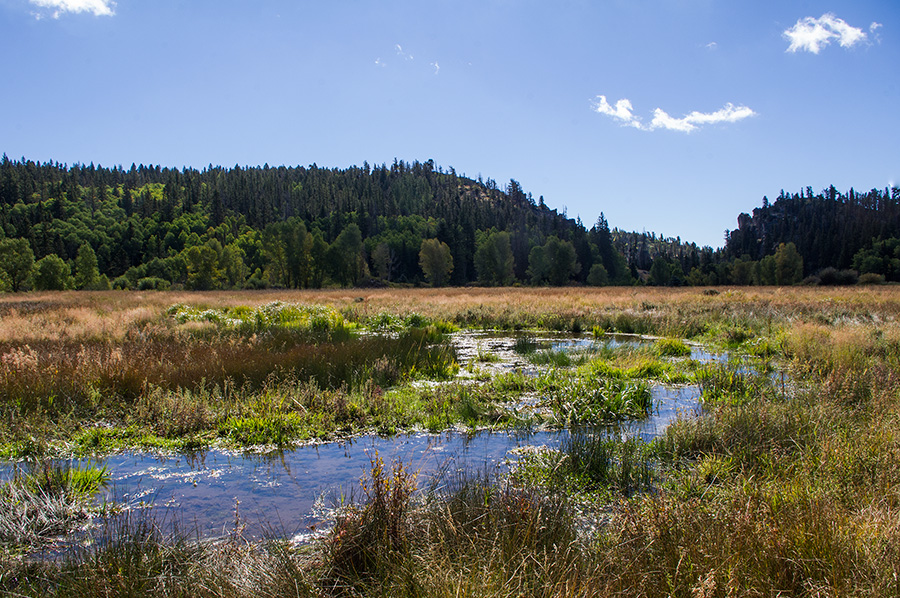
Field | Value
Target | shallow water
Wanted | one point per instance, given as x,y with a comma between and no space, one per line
289,493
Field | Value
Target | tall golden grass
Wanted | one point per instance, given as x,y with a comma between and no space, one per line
111,315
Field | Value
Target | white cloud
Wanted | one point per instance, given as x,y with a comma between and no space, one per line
379,62
711,46
437,67
99,8
813,34
400,52
622,111
728,114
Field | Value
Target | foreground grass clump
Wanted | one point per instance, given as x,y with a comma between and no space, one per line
372,539
45,500
135,556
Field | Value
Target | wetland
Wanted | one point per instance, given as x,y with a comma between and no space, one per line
466,441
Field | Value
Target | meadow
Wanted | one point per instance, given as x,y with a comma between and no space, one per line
787,484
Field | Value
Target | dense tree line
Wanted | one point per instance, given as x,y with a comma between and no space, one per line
297,227
825,238
831,231
92,227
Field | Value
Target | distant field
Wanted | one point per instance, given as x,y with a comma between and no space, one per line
109,315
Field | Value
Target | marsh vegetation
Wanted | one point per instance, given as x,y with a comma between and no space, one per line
785,484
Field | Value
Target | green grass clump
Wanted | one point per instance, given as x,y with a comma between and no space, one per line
391,322
54,477
526,344
638,366
482,356
671,347
46,499
588,402
314,322
598,461
591,463
723,383
280,430
557,359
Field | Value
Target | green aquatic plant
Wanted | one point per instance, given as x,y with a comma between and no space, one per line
597,460
64,477
483,356
558,358
526,344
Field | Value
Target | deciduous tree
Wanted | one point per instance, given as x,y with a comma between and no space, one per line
494,260
16,263
87,276
436,261
51,273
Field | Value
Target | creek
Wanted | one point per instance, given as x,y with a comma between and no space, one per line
289,493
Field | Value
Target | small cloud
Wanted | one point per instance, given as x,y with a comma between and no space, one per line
711,46
437,67
379,62
400,52
813,34
874,26
622,111
729,114
99,8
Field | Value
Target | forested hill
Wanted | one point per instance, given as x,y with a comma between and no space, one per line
149,226
828,229
90,227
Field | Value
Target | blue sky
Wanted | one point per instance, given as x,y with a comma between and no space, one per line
670,116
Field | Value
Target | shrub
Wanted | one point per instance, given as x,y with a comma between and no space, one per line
871,278
121,283
834,277
152,283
